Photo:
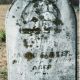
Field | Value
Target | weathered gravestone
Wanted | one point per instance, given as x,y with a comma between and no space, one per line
41,40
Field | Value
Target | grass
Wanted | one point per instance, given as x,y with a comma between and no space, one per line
3,74
2,36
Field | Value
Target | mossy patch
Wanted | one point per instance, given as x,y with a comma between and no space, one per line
57,30
57,22
51,55
29,56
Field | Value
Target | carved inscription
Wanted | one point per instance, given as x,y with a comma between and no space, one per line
42,41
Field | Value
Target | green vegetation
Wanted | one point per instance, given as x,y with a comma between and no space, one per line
2,36
3,74
5,1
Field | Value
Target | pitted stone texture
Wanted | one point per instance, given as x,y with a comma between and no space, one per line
41,40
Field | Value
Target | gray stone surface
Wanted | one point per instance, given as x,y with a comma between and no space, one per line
41,40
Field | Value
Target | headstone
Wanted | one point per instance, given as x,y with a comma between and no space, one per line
41,40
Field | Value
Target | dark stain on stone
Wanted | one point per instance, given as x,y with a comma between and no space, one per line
25,43
44,66
49,66
46,56
30,45
37,32
33,42
44,73
36,73
50,1
25,13
38,11
70,59
39,67
57,54
34,27
29,56
47,29
57,30
65,53
13,16
35,4
67,77
45,37
51,55
24,22
33,1
50,60
43,78
68,35
62,77
30,31
41,56
41,17
57,22
37,46
14,61
38,38
70,54
17,24
34,19
42,36
20,30
21,73
31,34
34,68
25,31
55,44
18,7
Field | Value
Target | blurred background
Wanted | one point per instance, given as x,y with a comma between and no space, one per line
4,6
